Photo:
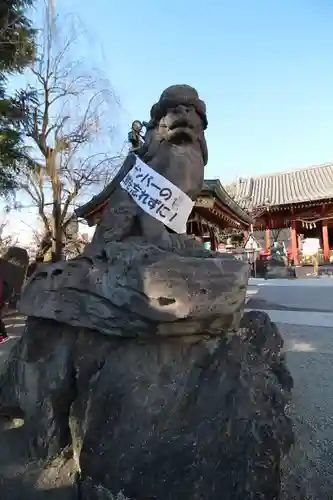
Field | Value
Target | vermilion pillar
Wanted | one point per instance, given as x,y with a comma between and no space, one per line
268,239
294,246
326,246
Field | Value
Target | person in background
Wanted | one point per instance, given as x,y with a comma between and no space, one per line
5,295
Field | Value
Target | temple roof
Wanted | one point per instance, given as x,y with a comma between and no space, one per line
285,188
215,187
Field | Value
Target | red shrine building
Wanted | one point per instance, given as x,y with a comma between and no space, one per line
291,207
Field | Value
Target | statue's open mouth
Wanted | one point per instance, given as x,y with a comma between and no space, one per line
181,131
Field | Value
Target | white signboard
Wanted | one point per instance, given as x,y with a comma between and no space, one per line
157,196
310,246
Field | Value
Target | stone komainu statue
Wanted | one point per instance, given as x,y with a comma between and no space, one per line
137,358
174,146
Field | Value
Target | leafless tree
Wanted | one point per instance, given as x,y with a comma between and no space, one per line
70,129
73,242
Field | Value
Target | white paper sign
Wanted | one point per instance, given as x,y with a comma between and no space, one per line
157,196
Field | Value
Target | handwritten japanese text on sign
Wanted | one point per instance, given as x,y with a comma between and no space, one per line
157,196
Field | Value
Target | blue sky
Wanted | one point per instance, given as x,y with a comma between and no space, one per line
264,68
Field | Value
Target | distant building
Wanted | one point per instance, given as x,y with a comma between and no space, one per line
290,206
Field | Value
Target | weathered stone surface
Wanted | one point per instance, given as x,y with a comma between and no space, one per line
39,380
163,419
136,361
144,284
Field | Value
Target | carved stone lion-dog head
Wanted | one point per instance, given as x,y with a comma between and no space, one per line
175,144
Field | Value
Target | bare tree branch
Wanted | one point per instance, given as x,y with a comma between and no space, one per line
69,130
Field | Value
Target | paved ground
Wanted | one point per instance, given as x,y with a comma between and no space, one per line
303,311
293,305
310,359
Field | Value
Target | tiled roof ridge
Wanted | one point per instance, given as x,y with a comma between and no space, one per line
285,172
283,188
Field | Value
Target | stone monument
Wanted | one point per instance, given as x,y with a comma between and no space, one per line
13,269
137,363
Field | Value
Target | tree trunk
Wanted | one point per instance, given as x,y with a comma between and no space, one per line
56,232
56,247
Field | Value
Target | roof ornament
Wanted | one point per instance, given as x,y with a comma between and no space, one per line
267,204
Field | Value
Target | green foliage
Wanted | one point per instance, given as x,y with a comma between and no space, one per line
16,36
16,52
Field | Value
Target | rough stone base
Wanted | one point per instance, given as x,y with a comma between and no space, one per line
135,289
160,418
